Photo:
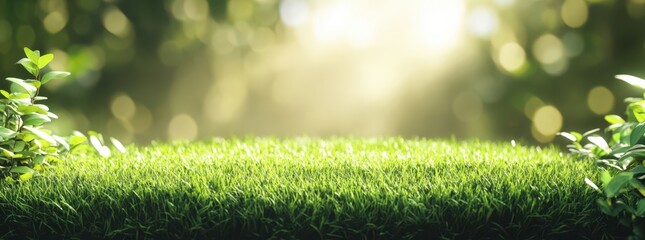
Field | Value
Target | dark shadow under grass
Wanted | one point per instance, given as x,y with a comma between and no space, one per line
301,188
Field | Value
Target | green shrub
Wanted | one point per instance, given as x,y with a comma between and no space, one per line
621,161
25,145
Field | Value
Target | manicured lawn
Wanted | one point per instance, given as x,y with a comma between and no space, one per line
311,188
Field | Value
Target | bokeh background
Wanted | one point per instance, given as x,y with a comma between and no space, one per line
194,69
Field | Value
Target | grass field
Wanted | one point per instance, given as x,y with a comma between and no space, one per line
258,188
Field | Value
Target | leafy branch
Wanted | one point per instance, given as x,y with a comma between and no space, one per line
621,160
25,145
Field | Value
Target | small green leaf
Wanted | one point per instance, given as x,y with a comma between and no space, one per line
40,134
568,136
104,151
605,177
35,119
636,111
592,131
26,176
33,82
53,75
640,208
6,153
32,55
616,184
604,206
61,141
44,60
52,159
577,135
7,133
593,185
31,90
50,150
19,146
52,115
29,66
638,169
600,142
26,154
77,139
619,150
27,137
28,109
40,159
614,119
21,169
118,145
637,133
44,107
634,81
20,96
5,94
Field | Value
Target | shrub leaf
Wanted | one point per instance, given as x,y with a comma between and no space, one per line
616,184
593,185
569,136
637,133
118,145
31,90
40,134
614,119
634,81
44,60
600,142
53,75
21,169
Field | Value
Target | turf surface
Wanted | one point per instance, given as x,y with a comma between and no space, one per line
307,188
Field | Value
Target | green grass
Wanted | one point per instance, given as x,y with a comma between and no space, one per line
308,189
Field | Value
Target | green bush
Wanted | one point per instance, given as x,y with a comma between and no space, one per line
621,161
25,145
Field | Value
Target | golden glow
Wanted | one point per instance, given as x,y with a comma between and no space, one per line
600,100
441,22
182,126
54,22
123,107
532,105
550,52
547,121
539,136
574,13
116,22
512,57
548,49
294,13
483,21
430,24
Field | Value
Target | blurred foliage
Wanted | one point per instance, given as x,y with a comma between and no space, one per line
498,69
